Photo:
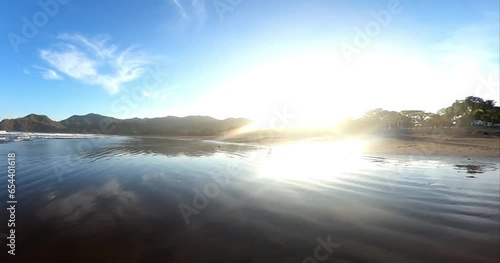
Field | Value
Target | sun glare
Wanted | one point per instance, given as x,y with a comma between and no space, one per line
318,88
292,163
307,86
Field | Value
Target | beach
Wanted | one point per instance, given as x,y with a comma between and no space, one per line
131,199
448,144
486,146
385,197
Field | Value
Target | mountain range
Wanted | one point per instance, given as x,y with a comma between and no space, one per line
99,124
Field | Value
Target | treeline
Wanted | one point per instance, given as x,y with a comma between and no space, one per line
461,113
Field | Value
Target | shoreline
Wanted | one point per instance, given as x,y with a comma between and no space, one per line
388,143
405,144
436,146
458,146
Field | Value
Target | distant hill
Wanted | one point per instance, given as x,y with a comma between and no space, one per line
95,123
86,123
32,122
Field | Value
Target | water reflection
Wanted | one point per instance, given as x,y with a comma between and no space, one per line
475,168
82,204
120,202
311,162
176,147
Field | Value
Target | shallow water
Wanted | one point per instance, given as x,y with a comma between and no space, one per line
156,200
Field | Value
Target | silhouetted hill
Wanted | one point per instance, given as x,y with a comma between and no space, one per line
32,122
87,123
95,123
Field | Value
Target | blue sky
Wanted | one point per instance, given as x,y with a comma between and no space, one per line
319,59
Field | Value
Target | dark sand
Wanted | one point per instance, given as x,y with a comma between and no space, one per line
437,146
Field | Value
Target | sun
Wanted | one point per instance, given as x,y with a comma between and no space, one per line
304,85
320,88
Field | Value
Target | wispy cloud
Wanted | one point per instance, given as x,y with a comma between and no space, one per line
48,73
470,56
199,9
150,94
161,94
476,43
195,12
94,61
180,9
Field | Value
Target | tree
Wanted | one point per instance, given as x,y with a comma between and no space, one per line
461,113
418,117
489,104
381,118
439,120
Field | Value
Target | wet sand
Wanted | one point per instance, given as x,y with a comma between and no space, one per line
435,146
118,201
449,145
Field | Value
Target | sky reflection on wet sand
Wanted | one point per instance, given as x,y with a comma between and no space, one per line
118,201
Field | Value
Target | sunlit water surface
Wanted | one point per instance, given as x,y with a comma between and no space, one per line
157,200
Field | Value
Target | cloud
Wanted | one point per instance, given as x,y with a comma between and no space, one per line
149,94
475,43
48,73
195,12
94,61
470,54
199,9
26,71
180,9
162,94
